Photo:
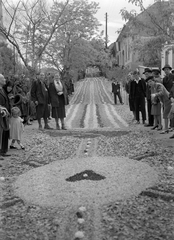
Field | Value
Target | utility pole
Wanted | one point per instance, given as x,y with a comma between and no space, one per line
106,41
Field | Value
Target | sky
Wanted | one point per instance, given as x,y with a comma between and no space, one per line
112,8
115,21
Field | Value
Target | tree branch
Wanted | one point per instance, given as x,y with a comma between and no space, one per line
13,17
54,62
153,20
53,30
12,40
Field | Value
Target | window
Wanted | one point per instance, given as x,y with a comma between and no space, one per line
167,57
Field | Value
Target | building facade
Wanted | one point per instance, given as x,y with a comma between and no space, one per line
167,55
127,54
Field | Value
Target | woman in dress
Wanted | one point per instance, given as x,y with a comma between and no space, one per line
16,128
58,99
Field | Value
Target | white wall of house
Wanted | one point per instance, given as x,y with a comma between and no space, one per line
126,56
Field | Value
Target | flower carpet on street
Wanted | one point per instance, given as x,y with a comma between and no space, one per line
104,178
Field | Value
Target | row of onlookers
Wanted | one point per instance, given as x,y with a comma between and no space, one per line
159,93
41,97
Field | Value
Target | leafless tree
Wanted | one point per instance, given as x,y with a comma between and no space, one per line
29,19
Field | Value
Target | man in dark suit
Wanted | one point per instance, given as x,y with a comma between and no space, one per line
131,98
138,91
116,91
4,136
113,86
148,73
39,95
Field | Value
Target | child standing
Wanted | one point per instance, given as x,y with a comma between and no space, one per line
16,127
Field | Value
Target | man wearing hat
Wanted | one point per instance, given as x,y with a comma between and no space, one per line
156,73
169,77
148,73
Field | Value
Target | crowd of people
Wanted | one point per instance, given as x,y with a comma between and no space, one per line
45,98
158,93
54,94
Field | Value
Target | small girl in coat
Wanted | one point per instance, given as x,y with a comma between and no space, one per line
16,127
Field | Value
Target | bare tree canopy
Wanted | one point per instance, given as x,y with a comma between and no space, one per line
40,32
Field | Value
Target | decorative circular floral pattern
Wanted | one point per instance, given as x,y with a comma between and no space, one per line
47,185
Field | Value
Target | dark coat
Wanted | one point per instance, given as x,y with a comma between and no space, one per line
38,92
171,93
54,99
148,92
168,81
115,88
131,86
148,89
127,87
4,129
142,87
65,93
4,100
